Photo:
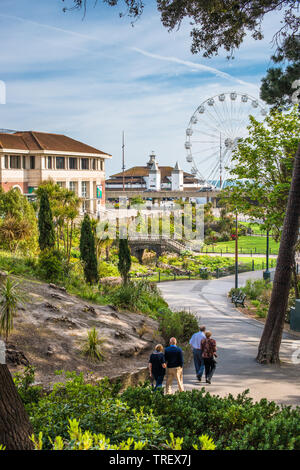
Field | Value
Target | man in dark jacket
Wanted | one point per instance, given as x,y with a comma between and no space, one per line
174,360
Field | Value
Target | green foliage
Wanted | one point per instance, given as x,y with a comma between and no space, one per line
152,418
124,263
254,289
52,265
262,169
107,270
18,226
88,251
45,223
99,410
79,440
10,298
276,88
182,325
139,296
24,380
215,25
232,423
92,346
64,206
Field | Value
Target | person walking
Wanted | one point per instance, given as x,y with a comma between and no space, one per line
157,366
174,360
209,350
195,342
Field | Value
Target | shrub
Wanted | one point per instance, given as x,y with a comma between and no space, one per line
262,312
52,265
254,289
232,423
139,414
92,346
98,409
24,380
182,325
107,270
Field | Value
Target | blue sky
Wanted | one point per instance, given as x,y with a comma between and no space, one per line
92,78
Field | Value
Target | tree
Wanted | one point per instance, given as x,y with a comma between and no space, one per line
262,171
45,223
265,166
88,251
18,225
276,88
64,205
269,346
14,231
15,428
217,23
10,298
124,263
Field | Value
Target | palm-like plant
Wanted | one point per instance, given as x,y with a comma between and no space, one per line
10,298
92,346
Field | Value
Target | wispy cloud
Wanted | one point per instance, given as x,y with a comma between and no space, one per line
193,66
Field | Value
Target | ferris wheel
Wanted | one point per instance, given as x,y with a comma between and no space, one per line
214,131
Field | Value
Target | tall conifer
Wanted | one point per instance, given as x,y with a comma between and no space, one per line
45,223
124,264
88,251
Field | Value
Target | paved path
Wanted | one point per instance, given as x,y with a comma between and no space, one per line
237,339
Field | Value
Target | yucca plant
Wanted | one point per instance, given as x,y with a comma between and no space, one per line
92,346
10,298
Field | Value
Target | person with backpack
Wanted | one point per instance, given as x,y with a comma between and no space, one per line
209,353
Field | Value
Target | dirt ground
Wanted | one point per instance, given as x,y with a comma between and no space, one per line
52,327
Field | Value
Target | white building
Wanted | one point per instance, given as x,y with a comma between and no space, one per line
153,177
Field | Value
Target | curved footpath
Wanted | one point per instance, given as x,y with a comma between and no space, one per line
237,339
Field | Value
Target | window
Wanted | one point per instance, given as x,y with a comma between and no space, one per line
94,164
73,163
15,162
60,183
32,162
84,163
72,186
101,165
84,206
49,163
83,189
24,162
6,161
60,163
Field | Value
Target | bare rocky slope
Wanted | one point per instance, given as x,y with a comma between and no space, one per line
50,330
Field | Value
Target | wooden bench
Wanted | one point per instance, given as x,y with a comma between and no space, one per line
240,300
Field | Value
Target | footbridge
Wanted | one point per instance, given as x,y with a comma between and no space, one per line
158,244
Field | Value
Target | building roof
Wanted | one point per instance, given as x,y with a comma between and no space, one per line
37,141
141,171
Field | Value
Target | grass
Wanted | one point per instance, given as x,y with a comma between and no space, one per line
245,264
246,244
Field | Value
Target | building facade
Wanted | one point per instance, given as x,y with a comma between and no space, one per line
28,158
153,177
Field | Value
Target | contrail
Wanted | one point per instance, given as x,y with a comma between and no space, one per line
61,30
193,65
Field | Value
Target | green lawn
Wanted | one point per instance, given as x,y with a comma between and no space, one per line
246,244
245,264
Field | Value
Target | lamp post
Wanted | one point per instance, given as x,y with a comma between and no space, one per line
236,252
267,274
